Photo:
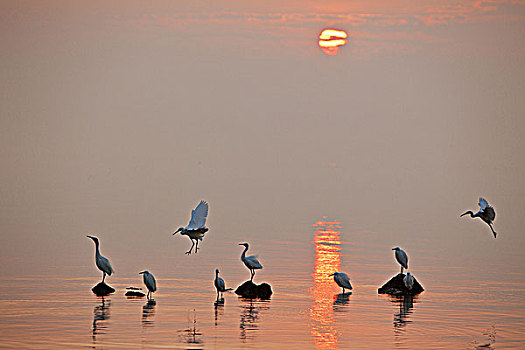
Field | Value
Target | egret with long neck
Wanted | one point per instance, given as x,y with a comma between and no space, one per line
102,263
219,284
485,213
251,262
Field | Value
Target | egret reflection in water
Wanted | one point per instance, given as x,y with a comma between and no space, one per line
327,261
218,306
250,313
148,311
100,316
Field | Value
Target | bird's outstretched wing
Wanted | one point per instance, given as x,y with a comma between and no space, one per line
489,211
483,203
198,216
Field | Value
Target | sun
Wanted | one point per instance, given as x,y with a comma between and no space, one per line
330,40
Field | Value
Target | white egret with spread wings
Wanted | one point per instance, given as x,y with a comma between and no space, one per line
485,213
197,226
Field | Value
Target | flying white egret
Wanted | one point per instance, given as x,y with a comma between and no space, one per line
219,284
102,262
149,281
485,213
342,280
409,281
196,228
401,258
251,262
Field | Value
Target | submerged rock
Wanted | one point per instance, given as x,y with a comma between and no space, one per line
134,293
102,289
396,286
251,290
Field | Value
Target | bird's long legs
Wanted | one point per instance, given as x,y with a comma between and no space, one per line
343,291
192,244
103,276
253,274
401,269
494,232
197,245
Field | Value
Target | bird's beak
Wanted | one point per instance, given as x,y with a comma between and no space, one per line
178,230
393,248
331,274
463,214
140,273
89,236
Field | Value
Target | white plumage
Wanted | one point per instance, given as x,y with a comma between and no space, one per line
342,280
251,262
149,281
401,258
102,263
485,213
409,281
197,226
219,284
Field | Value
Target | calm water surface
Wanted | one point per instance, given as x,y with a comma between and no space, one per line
458,309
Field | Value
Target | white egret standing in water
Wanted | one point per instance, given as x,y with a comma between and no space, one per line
219,284
342,280
102,262
409,281
485,213
251,262
196,228
401,258
149,281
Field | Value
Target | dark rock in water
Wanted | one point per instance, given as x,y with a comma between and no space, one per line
396,286
251,290
102,289
134,293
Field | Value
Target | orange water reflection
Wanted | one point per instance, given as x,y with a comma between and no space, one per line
330,40
327,260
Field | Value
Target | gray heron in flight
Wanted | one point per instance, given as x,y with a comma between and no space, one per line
103,263
485,213
196,228
251,262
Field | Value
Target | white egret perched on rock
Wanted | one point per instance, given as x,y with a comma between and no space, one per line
408,280
219,284
196,228
401,258
149,281
485,213
342,280
103,263
251,262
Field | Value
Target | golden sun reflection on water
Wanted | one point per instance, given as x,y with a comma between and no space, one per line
330,40
327,260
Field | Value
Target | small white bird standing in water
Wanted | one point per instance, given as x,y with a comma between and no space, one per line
196,228
149,281
342,280
102,262
401,258
251,262
409,281
485,213
219,284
